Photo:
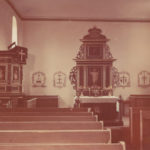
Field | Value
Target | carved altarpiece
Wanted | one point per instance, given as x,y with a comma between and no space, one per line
93,77
94,65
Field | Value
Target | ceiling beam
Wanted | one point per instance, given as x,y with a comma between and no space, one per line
89,20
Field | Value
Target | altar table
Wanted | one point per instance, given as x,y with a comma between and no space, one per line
106,107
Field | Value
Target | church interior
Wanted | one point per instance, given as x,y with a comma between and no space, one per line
74,75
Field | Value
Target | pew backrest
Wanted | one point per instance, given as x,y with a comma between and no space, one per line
144,130
135,123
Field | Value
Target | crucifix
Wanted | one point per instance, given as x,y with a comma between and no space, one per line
94,74
22,54
59,79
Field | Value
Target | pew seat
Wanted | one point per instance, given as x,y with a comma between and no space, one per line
46,114
61,146
44,109
55,136
52,125
47,118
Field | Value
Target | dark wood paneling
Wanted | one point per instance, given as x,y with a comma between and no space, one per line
139,100
135,126
45,100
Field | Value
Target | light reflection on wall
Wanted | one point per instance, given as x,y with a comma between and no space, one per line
14,30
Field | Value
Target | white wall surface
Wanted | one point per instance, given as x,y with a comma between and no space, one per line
53,45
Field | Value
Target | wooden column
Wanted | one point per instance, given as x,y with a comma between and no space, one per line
110,75
85,76
104,77
78,77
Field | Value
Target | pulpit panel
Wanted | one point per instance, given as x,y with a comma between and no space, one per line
3,76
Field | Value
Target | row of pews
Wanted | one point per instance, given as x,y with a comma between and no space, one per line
54,129
140,122
140,128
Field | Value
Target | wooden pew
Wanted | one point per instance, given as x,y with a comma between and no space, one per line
49,115
44,109
47,118
139,100
52,125
137,103
144,130
135,126
32,101
53,129
44,100
55,136
77,146
46,114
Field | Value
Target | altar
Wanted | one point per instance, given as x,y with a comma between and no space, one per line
93,79
98,99
106,107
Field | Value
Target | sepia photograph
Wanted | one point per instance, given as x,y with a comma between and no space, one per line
74,75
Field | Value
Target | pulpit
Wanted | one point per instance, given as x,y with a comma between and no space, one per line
11,74
92,75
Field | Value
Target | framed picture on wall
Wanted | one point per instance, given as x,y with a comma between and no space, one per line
2,73
124,79
59,79
38,79
144,79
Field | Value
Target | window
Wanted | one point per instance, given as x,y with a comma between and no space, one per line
14,30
